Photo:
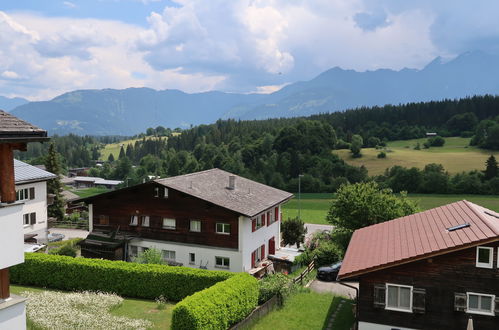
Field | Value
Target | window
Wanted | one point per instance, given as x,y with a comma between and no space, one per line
222,262
169,255
260,221
29,219
156,191
169,223
192,258
399,297
223,228
484,257
165,192
24,194
134,220
195,225
161,192
480,303
26,219
144,220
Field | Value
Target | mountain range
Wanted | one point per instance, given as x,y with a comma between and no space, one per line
7,103
132,110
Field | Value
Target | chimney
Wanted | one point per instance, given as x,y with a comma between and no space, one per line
232,182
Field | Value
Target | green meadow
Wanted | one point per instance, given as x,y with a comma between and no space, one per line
314,207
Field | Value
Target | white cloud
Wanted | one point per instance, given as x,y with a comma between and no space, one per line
69,4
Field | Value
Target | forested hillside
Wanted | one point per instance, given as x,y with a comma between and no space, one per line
277,151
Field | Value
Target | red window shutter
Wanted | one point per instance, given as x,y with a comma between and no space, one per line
276,212
253,258
268,218
263,219
263,251
253,225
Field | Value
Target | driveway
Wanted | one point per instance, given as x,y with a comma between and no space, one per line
334,287
70,233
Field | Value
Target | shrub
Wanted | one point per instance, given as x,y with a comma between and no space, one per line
269,286
219,306
65,250
382,154
123,278
150,256
436,141
293,231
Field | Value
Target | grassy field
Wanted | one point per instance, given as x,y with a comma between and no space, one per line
114,148
456,156
132,308
314,207
307,310
89,191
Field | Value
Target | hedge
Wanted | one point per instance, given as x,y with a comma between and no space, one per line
123,278
219,306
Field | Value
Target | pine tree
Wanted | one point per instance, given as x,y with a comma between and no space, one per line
110,158
122,153
54,186
491,168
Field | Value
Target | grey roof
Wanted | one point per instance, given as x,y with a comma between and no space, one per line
13,129
24,173
96,180
249,198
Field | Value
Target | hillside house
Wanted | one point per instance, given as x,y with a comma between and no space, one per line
15,134
210,219
430,270
82,182
31,189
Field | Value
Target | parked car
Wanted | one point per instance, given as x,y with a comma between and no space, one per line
33,247
329,273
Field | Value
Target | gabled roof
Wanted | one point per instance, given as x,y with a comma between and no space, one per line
24,173
13,129
249,197
419,236
96,180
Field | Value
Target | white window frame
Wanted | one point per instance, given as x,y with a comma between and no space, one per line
131,253
223,232
192,256
156,191
491,257
165,192
223,265
26,220
168,254
197,228
170,226
398,298
259,221
144,220
24,192
134,220
480,312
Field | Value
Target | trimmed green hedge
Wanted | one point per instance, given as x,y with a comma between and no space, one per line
219,306
123,278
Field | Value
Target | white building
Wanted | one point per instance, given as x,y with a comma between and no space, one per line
210,219
31,189
14,135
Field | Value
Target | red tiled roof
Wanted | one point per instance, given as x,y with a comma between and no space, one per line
417,236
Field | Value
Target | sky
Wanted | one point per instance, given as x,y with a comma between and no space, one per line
51,47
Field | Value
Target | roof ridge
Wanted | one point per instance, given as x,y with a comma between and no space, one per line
471,206
189,174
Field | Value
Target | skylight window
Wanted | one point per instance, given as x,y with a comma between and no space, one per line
461,226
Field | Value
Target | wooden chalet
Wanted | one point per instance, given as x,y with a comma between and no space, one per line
431,270
210,219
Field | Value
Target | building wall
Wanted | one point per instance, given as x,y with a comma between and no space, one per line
441,277
204,255
11,235
37,205
253,240
140,200
13,316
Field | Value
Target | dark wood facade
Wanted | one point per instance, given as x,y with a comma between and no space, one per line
116,208
441,277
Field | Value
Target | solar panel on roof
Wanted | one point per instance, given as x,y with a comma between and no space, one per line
461,226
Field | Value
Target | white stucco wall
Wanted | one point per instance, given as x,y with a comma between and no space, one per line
204,255
250,241
11,235
38,205
13,317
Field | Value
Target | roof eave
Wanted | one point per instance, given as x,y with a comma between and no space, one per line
23,139
417,258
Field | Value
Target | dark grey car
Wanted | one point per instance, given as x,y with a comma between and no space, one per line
329,273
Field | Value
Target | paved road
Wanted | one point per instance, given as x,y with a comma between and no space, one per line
334,287
312,228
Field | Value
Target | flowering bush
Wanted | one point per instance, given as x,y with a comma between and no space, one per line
78,310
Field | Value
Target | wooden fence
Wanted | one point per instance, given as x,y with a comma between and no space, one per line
304,273
258,313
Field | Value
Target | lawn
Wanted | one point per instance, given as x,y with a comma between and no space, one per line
314,207
114,148
89,191
456,156
131,308
308,310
